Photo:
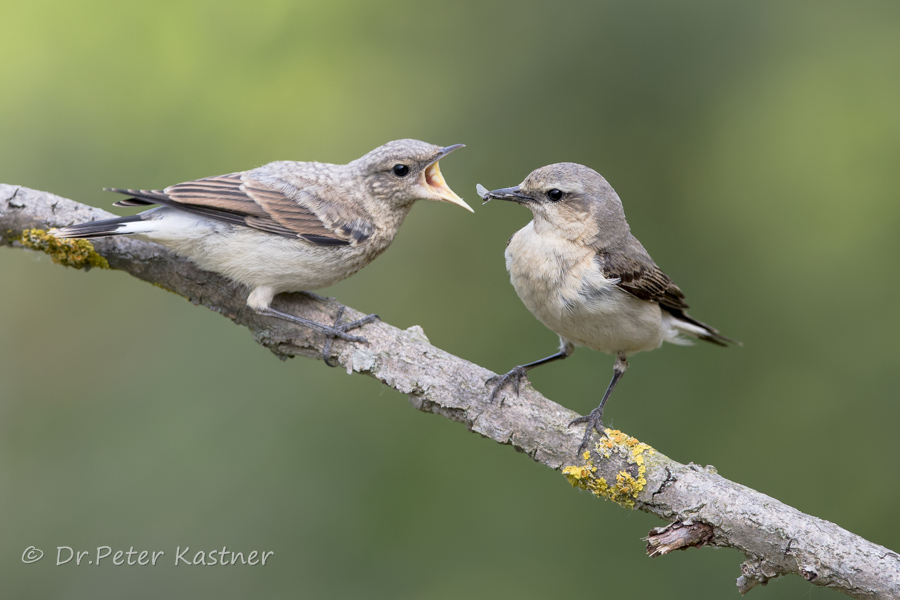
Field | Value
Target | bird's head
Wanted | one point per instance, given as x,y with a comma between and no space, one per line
567,196
403,171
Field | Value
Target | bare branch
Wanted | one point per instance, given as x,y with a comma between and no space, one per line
706,508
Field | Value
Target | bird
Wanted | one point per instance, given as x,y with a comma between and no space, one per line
577,267
288,226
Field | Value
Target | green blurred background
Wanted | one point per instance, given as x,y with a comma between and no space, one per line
755,146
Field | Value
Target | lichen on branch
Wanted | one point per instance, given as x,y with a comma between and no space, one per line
78,254
630,480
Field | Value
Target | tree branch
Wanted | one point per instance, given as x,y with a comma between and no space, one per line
703,507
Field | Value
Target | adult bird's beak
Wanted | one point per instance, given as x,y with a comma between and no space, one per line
511,194
434,181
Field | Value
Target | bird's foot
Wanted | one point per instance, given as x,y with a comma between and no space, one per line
336,331
339,330
515,376
594,422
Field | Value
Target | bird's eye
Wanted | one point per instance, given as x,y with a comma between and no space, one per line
400,170
555,195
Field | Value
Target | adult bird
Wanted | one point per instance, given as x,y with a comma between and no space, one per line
581,272
288,226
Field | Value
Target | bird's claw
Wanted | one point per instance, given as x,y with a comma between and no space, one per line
339,330
594,422
515,375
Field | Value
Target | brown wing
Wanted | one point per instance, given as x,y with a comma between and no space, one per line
640,277
275,206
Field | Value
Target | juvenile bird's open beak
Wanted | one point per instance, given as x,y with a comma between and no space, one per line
511,194
434,181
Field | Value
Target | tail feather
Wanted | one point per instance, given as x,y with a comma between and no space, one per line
140,197
133,202
151,197
95,229
686,324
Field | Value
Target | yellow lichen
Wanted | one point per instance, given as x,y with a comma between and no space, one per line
627,487
583,477
79,254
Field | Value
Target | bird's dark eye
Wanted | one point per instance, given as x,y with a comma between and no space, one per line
555,195
400,170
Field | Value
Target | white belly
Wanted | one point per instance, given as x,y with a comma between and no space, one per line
561,283
254,258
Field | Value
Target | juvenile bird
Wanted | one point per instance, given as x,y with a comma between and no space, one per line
288,226
579,270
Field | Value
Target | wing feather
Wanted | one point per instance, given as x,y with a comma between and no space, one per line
639,276
642,279
274,206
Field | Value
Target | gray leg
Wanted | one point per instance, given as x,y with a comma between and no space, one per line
594,420
517,374
338,330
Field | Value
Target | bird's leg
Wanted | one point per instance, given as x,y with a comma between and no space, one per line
594,420
341,328
517,374
337,330
326,351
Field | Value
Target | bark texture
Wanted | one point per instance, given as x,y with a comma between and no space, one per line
705,508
